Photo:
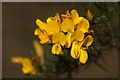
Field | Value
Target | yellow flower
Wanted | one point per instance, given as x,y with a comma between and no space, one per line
77,51
46,30
27,67
41,33
74,16
89,15
56,49
81,23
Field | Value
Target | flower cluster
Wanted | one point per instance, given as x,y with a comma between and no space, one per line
69,31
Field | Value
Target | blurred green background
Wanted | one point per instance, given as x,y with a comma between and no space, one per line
18,20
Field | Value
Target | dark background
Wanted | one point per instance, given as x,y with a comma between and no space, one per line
18,21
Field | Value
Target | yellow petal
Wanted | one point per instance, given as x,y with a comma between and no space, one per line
67,25
88,40
74,14
75,50
16,59
84,47
37,31
41,24
38,49
83,30
77,20
89,15
50,19
83,24
59,38
57,17
83,56
56,49
67,13
77,35
43,37
52,26
68,43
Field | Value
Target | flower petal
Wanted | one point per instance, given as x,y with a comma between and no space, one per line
77,20
83,24
88,40
83,30
67,25
57,17
68,43
36,32
43,37
41,24
56,49
75,50
52,26
83,56
74,14
59,38
77,35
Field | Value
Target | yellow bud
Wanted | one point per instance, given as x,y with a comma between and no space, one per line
89,15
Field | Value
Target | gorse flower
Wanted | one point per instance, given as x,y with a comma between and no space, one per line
78,51
69,31
27,66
